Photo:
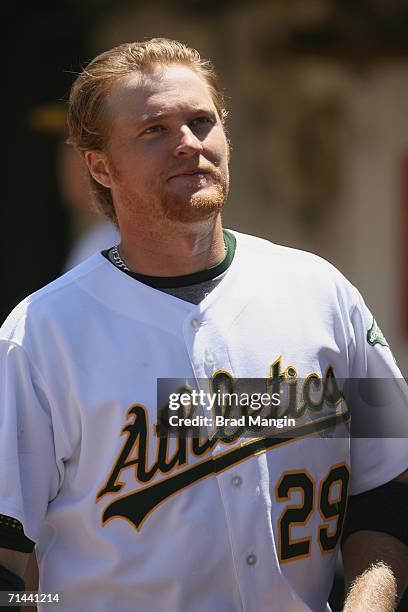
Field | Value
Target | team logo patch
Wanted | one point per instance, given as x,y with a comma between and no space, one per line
375,335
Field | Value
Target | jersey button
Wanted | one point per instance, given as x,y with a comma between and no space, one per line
195,323
236,481
209,359
251,559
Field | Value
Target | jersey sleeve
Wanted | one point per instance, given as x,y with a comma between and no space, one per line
12,535
378,399
29,475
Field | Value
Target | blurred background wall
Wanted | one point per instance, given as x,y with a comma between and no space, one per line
318,95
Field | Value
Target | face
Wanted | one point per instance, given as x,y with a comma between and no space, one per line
167,155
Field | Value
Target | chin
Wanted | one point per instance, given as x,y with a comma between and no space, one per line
198,206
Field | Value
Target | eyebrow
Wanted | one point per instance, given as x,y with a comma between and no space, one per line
160,115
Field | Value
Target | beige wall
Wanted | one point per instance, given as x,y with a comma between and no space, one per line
378,104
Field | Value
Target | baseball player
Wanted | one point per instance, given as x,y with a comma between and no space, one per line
124,517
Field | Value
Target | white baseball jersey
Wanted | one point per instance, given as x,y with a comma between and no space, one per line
124,520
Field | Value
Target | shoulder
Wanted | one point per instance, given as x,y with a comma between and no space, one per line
295,258
294,267
60,296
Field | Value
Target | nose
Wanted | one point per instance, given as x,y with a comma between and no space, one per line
188,143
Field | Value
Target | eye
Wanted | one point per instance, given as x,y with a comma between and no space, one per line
202,121
154,129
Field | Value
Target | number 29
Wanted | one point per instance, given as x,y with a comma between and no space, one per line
299,514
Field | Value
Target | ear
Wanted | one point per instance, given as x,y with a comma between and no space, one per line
98,167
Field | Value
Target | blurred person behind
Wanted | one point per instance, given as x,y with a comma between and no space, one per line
89,232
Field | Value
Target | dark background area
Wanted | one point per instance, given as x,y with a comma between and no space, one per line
47,40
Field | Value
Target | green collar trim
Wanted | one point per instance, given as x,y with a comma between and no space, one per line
169,282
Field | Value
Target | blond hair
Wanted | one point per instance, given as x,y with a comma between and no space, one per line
88,129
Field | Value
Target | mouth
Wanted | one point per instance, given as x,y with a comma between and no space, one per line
199,172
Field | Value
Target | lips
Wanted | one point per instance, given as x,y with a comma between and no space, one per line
190,172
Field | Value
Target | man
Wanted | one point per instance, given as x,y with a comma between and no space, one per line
123,515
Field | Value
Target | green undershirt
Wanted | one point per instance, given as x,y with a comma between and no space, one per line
188,280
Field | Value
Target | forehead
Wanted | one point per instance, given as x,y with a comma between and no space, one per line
166,90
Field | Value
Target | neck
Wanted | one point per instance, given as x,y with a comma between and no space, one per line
182,249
